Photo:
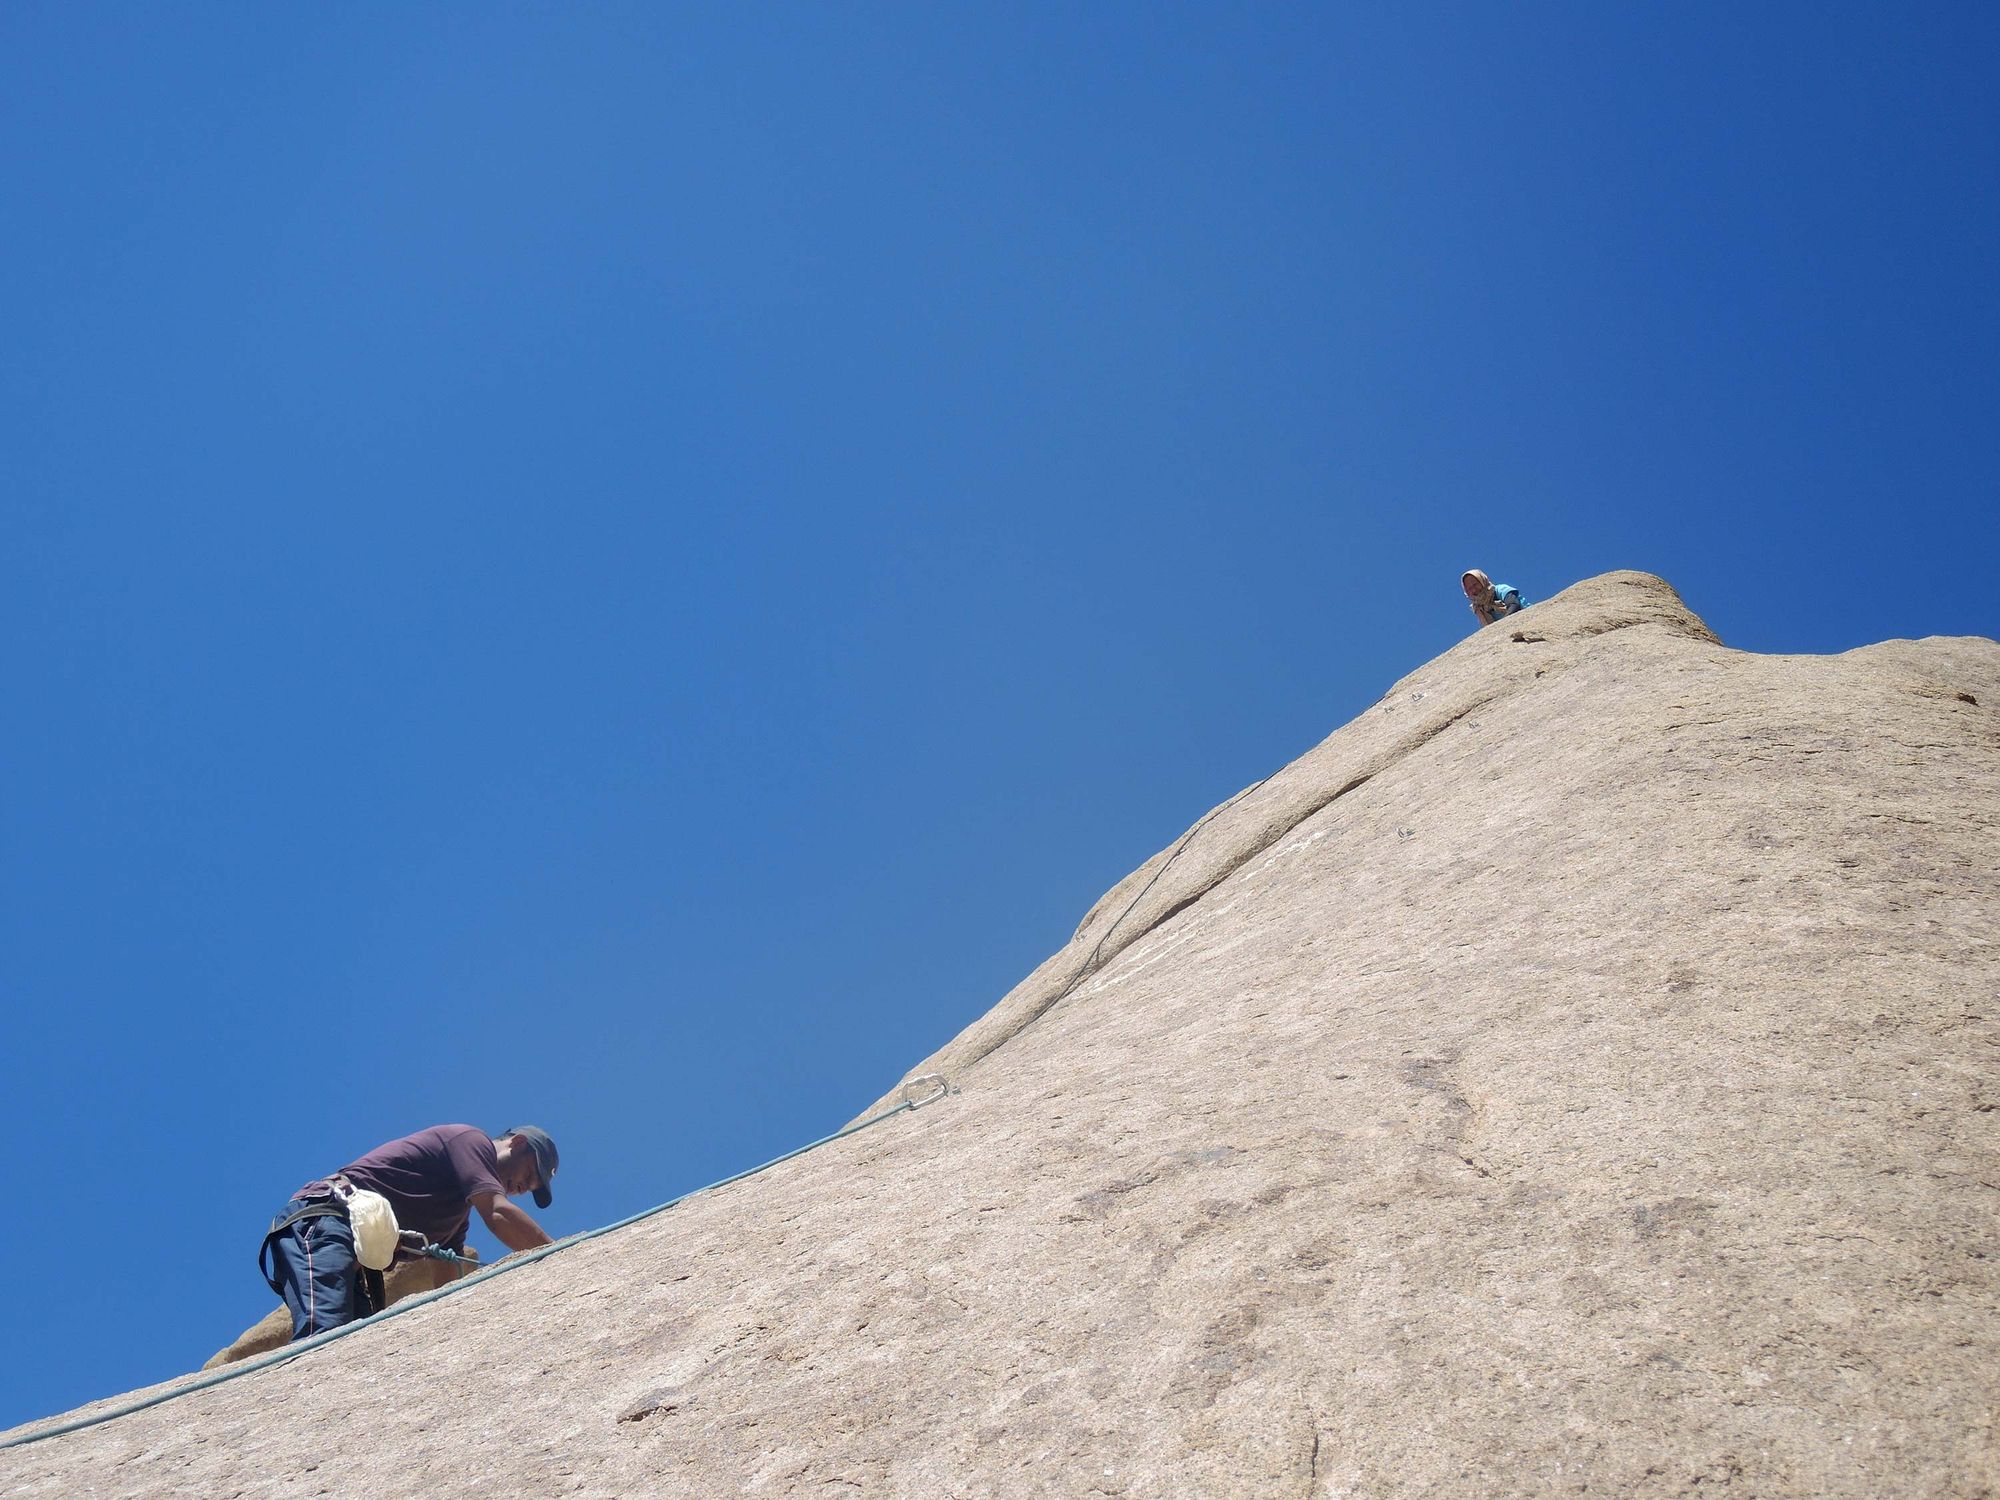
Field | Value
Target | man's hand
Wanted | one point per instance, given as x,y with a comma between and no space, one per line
510,1226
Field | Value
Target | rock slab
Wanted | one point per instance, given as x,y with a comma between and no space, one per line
1576,1076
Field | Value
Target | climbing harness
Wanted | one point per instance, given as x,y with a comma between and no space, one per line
368,1216
934,1087
327,1207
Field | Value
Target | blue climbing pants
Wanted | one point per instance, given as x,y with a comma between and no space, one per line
310,1263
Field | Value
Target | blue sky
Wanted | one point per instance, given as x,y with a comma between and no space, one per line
635,567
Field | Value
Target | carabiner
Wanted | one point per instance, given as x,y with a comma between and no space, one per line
939,1089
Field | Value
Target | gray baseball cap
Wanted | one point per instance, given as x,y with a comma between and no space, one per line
545,1159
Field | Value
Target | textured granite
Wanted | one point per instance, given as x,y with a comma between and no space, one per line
1575,1076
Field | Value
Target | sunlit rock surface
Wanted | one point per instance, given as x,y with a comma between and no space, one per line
1575,1076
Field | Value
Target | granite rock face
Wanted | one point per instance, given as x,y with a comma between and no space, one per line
1575,1076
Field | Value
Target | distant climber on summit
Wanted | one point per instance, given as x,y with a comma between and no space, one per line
338,1234
1490,600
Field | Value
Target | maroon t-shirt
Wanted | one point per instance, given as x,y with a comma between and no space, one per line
430,1178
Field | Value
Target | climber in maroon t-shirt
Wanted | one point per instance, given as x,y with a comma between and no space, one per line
433,1180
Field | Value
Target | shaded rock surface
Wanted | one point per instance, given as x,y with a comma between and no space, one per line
1575,1076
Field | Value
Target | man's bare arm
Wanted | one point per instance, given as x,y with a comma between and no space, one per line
510,1226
